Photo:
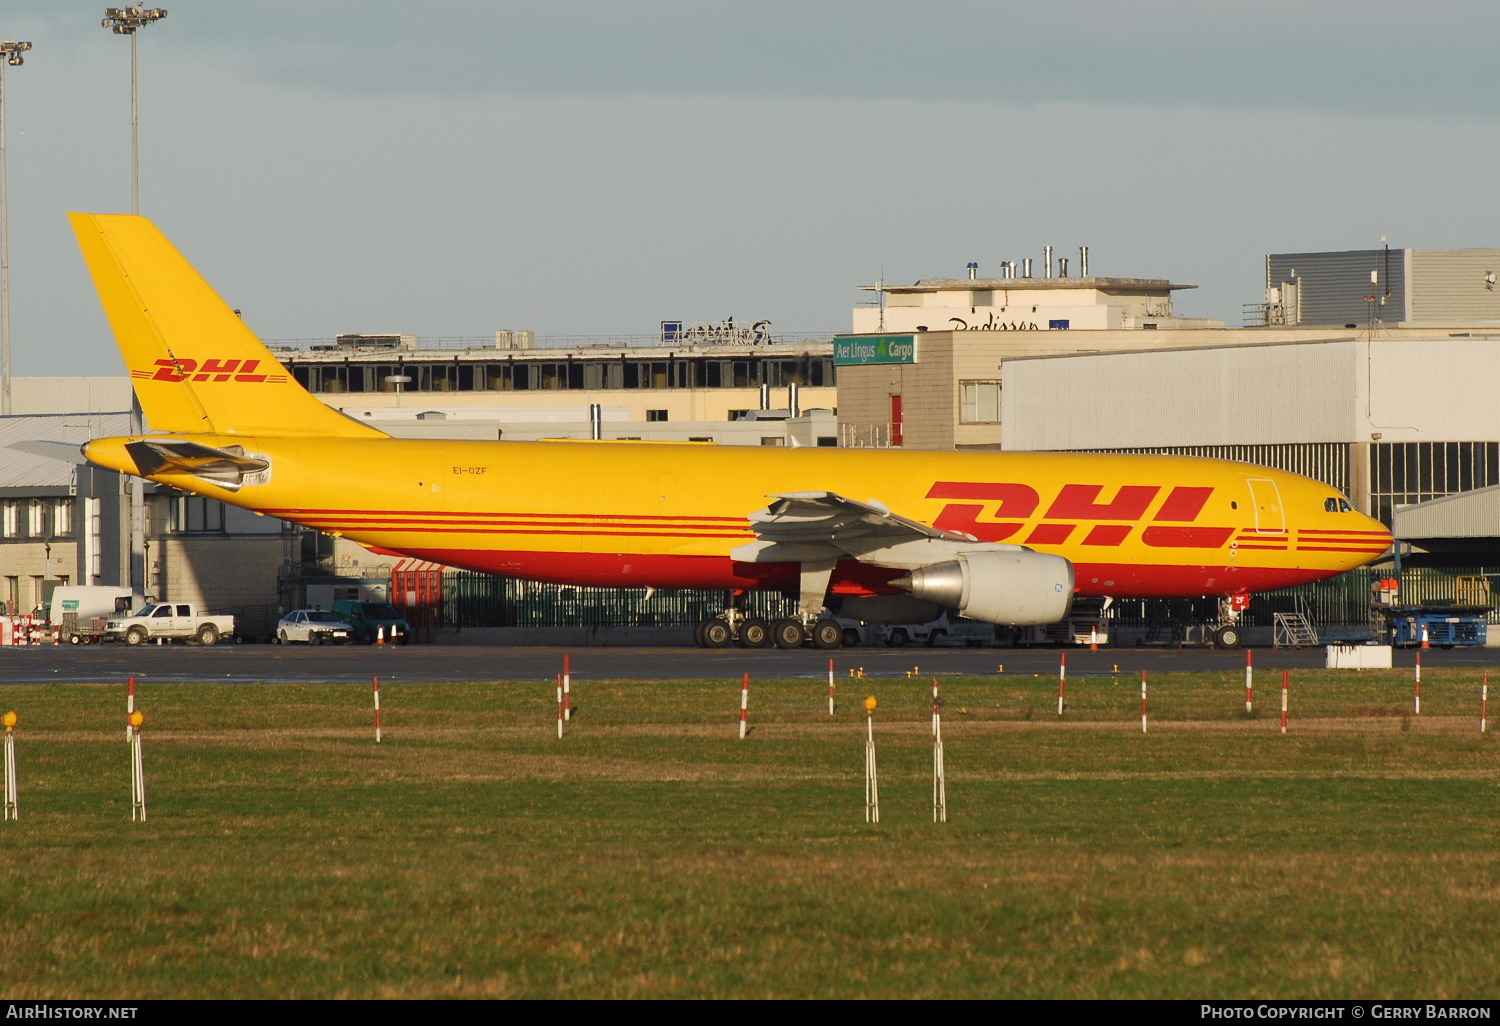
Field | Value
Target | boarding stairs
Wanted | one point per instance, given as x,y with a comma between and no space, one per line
1293,630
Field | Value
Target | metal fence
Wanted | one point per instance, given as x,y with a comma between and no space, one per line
484,600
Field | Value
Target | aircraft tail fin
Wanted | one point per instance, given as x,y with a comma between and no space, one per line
195,366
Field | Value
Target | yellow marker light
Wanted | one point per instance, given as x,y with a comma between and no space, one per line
137,718
10,720
870,704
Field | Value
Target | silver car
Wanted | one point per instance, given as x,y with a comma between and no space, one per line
313,626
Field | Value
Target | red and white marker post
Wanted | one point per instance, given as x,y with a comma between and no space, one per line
1416,702
1249,681
1484,702
830,687
1062,683
129,708
1286,678
559,707
377,710
745,708
939,773
1143,701
567,681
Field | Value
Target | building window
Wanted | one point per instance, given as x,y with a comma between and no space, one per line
657,415
979,402
195,514
772,440
12,526
62,518
36,518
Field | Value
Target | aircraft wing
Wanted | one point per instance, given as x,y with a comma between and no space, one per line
825,526
826,516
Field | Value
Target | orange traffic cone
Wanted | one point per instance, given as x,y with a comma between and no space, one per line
380,635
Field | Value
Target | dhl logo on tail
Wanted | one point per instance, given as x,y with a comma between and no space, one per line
185,369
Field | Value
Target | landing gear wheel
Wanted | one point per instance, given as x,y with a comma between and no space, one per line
1227,636
897,638
787,633
755,634
716,634
827,635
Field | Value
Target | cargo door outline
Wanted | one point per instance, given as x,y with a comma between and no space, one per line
1270,518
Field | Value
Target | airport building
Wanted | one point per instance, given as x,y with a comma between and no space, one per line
697,383
924,366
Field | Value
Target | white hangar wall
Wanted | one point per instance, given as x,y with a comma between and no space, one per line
1341,390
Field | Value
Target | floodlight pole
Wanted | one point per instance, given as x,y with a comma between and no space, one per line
10,53
127,21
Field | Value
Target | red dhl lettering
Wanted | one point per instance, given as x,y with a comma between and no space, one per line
186,369
1015,503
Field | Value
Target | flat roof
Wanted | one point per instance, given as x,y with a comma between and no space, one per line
999,284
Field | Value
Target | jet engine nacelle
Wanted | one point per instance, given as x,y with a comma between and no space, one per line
1017,588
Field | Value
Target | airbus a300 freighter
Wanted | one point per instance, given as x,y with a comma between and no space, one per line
1009,538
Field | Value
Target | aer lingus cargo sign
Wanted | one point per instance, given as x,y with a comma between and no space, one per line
858,351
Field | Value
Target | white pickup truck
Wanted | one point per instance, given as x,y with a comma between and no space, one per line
171,621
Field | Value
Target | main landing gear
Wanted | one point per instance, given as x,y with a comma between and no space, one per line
727,629
733,627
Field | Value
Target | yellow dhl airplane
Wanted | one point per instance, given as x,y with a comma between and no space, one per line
1009,538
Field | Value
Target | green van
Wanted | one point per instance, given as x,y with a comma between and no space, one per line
367,619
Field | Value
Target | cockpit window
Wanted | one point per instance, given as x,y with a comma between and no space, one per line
1338,504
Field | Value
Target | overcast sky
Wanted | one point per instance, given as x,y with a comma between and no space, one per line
592,167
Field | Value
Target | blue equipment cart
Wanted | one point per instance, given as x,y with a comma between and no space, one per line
1445,626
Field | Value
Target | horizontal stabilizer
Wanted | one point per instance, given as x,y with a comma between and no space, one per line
71,452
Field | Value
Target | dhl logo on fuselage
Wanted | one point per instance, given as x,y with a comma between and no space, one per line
1171,525
187,369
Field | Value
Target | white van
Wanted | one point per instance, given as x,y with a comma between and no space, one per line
79,611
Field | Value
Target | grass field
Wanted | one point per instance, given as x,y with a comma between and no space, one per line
653,854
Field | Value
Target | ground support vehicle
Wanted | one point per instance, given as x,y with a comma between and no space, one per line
170,621
1444,626
946,630
373,621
